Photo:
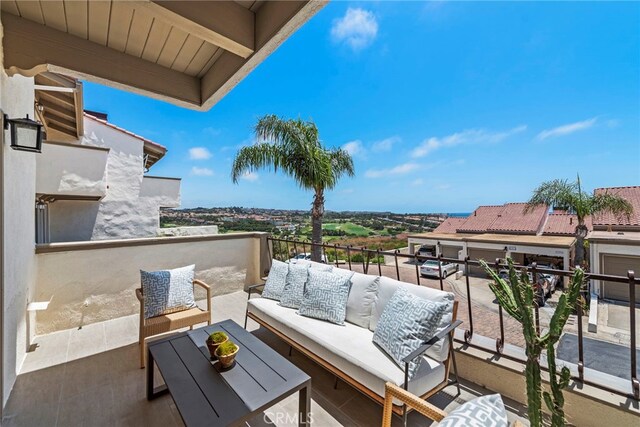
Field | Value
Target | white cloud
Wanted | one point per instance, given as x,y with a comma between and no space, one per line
355,148
567,129
397,170
470,136
386,144
199,153
250,176
357,28
201,171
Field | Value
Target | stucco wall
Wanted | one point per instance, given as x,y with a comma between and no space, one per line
95,281
18,235
131,207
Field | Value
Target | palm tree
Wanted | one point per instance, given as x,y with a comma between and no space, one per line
294,147
569,195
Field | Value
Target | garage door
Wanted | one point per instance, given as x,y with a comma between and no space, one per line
486,254
450,251
618,265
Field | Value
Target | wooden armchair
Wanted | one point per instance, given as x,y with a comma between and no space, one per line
172,321
392,391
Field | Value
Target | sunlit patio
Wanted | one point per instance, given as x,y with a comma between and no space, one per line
90,376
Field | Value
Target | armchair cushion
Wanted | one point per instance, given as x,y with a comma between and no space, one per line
294,285
326,296
276,280
167,291
406,323
481,411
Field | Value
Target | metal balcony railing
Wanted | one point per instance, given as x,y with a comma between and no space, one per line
283,249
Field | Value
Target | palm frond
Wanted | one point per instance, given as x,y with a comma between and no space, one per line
556,193
611,203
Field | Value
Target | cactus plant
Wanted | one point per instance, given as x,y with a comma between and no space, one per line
517,297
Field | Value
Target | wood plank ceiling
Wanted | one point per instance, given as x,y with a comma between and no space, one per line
189,38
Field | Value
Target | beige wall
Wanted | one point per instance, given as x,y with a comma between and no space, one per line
95,281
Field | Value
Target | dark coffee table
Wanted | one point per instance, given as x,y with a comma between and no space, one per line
207,395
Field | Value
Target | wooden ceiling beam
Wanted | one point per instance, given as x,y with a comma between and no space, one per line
30,49
71,124
56,109
222,23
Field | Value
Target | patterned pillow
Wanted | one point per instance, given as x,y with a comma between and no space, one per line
325,296
275,281
294,286
483,411
407,321
167,291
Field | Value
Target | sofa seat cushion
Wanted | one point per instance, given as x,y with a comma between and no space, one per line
347,347
388,287
364,288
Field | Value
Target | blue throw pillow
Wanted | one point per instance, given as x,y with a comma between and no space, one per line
167,291
325,296
482,411
294,286
275,281
406,323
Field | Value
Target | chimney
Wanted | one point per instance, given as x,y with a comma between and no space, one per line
570,220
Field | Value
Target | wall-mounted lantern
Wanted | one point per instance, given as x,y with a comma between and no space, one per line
26,134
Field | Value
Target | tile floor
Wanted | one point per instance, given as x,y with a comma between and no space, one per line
91,377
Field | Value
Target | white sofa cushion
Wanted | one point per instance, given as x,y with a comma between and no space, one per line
348,348
313,264
364,288
386,290
406,323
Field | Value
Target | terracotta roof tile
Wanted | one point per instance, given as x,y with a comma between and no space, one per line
632,194
563,224
450,225
480,220
512,219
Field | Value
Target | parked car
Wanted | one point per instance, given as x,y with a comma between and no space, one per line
307,256
425,251
554,279
430,268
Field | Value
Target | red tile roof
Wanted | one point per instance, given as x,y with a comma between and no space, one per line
632,194
450,225
512,219
563,224
480,220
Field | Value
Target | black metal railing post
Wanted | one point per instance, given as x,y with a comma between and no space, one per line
416,262
468,334
335,248
440,272
635,385
379,266
500,340
395,256
349,256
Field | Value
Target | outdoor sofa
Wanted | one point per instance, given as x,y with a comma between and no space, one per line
347,350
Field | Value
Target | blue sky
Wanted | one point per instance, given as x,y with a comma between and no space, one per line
444,106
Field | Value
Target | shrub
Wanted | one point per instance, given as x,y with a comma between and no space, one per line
218,337
226,348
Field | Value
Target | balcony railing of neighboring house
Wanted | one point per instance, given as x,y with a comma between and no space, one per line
378,260
71,172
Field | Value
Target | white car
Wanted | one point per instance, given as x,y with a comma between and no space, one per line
430,268
307,256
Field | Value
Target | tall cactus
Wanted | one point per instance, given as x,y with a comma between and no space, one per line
517,297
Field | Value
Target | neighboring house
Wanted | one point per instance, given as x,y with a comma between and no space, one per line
497,232
96,187
614,246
